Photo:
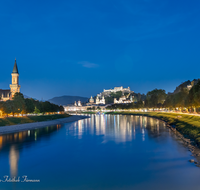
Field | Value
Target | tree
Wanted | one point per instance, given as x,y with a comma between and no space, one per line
30,105
135,99
61,108
5,108
110,99
180,97
9,107
19,103
155,97
169,103
139,104
193,98
36,110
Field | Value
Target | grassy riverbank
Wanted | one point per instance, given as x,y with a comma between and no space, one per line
30,119
188,125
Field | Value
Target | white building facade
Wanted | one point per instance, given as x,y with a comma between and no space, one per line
116,89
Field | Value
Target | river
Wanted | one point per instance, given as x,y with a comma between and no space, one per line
114,152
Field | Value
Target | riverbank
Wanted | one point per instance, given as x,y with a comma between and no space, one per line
34,125
187,125
7,121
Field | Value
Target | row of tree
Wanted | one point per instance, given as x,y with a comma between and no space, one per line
21,105
157,98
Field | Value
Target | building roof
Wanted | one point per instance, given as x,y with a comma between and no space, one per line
5,93
15,69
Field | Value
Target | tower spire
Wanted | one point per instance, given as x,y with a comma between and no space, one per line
15,69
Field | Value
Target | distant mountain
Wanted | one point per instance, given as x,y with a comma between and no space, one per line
65,100
25,96
28,97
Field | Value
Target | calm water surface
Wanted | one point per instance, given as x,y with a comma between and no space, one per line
101,152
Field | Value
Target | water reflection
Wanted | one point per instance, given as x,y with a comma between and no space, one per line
14,142
13,161
101,152
121,128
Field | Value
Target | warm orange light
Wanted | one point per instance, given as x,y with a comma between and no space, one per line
1,141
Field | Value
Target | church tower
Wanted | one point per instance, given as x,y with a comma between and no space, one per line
97,100
15,87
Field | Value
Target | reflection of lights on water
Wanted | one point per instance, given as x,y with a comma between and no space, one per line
15,136
120,128
35,135
28,132
158,124
141,121
134,131
145,122
80,131
142,130
13,161
143,134
1,141
20,135
118,121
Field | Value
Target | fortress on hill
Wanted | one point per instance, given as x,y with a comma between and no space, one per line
100,98
14,87
116,89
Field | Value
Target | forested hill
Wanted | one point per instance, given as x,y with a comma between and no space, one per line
65,100
185,84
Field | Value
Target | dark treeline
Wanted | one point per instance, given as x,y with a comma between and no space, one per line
21,105
184,100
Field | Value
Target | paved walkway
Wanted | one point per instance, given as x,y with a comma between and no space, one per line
29,126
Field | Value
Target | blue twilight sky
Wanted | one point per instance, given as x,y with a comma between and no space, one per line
71,47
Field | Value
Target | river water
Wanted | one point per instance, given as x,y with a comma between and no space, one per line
102,152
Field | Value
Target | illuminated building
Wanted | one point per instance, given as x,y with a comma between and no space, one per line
14,87
189,87
79,103
91,100
124,100
97,100
116,89
102,101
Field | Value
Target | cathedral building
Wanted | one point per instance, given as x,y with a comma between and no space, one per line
97,100
91,100
14,87
100,101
